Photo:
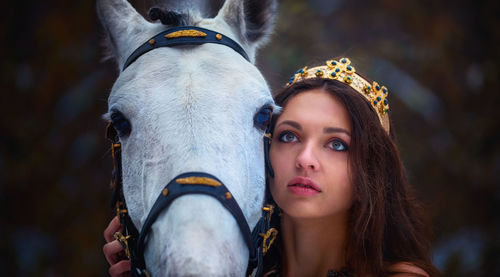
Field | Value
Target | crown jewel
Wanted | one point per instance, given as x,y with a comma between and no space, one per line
344,72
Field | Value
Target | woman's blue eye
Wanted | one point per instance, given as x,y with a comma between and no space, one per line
287,137
338,145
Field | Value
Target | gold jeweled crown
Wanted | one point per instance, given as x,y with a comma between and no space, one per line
344,72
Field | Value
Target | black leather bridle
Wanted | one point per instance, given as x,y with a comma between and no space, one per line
184,35
134,242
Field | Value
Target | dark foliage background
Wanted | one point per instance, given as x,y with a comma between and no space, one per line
440,60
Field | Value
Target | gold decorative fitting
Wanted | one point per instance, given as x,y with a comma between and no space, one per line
146,273
152,41
198,181
218,36
165,192
269,208
123,241
272,234
119,206
186,33
268,135
344,72
228,195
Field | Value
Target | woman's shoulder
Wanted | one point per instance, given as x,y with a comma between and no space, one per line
406,269
400,269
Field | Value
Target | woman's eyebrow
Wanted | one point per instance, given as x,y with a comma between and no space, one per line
294,124
328,130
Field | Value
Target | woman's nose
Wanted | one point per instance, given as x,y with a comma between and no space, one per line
307,158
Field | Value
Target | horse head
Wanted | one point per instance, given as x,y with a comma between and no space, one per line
191,108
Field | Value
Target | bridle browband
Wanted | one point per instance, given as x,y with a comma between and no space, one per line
134,242
184,35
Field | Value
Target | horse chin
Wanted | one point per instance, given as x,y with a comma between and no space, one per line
187,265
217,262
202,245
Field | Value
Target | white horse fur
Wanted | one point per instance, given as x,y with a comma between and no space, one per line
191,108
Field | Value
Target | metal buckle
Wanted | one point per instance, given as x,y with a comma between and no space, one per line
115,147
271,233
123,241
120,210
269,208
146,273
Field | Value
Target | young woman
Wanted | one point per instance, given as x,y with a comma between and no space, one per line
346,204
346,207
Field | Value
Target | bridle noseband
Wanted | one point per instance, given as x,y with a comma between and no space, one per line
134,242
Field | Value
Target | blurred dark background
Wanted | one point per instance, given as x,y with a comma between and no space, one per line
439,59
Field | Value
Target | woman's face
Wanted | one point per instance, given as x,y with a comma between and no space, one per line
309,154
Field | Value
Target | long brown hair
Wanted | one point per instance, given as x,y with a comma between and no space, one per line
386,223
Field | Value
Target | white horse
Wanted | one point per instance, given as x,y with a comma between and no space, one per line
191,108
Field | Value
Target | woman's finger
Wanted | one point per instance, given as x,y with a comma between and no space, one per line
122,268
113,251
113,227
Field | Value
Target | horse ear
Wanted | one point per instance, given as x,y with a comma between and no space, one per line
123,26
253,20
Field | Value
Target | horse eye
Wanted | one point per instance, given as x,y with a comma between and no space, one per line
121,124
263,117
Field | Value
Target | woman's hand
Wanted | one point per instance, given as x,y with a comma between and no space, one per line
113,251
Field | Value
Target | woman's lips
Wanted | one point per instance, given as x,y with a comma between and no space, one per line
303,186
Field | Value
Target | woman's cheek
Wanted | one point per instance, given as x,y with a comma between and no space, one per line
281,162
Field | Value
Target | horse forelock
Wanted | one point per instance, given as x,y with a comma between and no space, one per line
203,8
